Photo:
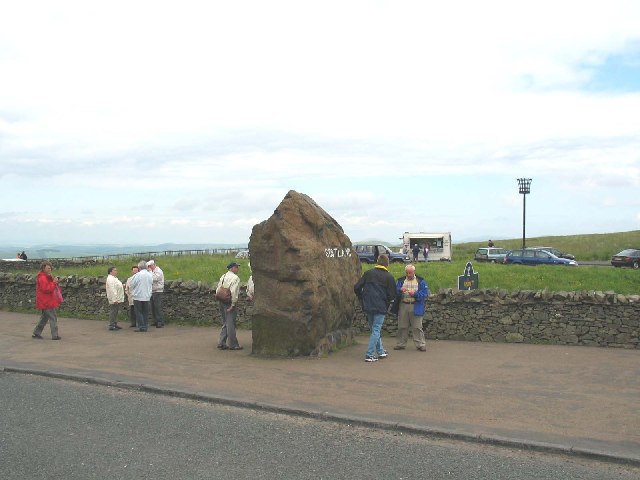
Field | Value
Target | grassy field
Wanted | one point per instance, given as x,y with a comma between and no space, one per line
438,274
208,268
584,247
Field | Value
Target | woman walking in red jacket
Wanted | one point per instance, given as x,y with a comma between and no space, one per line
47,301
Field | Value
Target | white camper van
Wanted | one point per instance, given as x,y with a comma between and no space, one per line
439,245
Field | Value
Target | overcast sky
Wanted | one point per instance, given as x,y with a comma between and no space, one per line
135,122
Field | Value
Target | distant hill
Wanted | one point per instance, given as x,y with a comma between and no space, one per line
596,246
68,251
373,242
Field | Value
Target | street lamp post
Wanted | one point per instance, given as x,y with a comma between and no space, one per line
524,187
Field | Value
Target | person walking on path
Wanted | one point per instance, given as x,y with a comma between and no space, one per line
411,294
425,252
115,297
47,300
375,290
228,311
141,285
127,290
157,292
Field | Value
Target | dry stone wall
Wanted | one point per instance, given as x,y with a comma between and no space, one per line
568,318
591,318
85,297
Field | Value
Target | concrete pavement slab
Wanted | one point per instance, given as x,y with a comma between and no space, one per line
581,398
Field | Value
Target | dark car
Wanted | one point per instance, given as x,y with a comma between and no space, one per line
627,258
491,254
556,252
532,256
369,254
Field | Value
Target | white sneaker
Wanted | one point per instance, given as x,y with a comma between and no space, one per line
369,358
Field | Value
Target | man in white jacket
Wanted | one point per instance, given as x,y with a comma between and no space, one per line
115,296
157,292
141,284
228,311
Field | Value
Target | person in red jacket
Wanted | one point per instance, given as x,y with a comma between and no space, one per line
47,301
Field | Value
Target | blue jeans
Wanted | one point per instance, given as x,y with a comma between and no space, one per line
375,325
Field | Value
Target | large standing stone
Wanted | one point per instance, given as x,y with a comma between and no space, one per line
304,269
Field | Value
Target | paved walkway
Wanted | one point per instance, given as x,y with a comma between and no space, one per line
584,400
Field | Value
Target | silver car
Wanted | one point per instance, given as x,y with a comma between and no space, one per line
491,254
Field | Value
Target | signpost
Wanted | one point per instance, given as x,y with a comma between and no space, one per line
468,281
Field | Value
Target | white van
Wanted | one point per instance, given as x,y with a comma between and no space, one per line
439,245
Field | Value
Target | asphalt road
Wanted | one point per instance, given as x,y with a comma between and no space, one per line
52,429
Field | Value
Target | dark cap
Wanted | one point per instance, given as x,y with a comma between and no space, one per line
232,264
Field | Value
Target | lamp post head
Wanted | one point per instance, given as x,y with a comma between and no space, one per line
524,185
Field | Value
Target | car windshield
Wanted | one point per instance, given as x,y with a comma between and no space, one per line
627,252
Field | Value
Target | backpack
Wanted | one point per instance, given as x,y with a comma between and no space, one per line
223,294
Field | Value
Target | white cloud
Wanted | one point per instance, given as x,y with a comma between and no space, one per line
196,118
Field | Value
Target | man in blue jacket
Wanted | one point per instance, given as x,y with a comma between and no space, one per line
376,289
411,294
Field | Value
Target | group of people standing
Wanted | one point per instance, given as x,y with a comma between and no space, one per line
144,290
377,290
416,249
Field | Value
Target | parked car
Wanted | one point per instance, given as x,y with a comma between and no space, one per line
369,254
491,254
243,254
627,258
532,256
556,252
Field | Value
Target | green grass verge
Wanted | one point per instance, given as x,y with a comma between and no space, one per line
209,268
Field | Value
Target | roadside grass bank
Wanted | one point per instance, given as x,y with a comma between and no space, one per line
594,246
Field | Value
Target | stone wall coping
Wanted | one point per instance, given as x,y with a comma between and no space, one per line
483,295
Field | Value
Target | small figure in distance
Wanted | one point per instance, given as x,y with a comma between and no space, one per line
411,293
490,243
416,251
47,301
115,297
229,312
375,290
23,255
426,252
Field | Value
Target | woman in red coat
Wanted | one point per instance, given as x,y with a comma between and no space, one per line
47,301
